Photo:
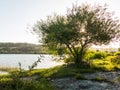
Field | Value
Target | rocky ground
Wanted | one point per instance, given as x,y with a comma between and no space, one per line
111,82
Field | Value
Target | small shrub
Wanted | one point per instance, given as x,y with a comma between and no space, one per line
117,54
99,55
18,84
116,68
109,58
89,55
96,66
115,60
43,84
95,55
100,79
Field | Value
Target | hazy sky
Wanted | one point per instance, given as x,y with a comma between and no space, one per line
18,16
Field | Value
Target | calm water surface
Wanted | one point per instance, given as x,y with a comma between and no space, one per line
12,60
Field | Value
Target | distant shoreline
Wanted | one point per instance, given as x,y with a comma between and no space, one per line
22,48
24,53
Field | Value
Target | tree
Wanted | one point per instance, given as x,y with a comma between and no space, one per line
81,27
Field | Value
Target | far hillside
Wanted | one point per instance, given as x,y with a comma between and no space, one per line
21,48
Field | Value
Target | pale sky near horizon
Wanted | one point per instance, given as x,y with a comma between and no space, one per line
18,16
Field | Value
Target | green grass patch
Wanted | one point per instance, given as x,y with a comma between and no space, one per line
43,84
60,71
100,79
15,83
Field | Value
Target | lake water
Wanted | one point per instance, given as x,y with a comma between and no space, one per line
12,60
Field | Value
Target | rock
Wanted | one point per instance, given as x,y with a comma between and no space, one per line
108,75
73,84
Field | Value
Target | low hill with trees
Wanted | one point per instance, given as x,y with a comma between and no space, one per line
21,48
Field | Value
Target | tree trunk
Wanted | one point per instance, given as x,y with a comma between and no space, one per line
79,56
77,53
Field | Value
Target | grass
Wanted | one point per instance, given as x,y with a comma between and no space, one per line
42,84
60,71
99,79
15,83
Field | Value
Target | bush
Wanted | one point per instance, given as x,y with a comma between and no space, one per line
95,55
99,55
89,55
18,84
37,85
117,54
115,60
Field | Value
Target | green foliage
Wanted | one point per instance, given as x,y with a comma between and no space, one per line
69,70
100,79
117,54
116,60
43,84
15,82
77,30
99,55
90,55
106,64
